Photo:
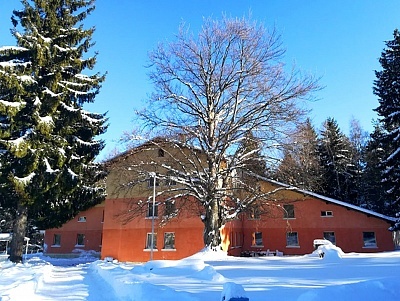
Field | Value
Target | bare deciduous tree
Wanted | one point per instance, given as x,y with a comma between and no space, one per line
215,90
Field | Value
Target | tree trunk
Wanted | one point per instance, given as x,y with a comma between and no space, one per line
212,225
19,230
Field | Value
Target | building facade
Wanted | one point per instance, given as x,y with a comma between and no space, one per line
138,223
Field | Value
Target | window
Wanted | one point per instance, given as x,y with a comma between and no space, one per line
235,239
326,213
369,240
170,179
254,213
161,152
169,208
150,182
257,239
150,210
80,239
169,240
57,240
288,211
149,241
330,236
292,239
82,219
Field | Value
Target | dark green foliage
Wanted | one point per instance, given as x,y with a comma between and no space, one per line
373,188
387,88
47,140
337,163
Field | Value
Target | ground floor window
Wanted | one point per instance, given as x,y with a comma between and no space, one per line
80,239
257,240
330,236
292,239
235,239
369,240
149,240
169,240
57,240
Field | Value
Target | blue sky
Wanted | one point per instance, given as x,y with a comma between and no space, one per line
340,40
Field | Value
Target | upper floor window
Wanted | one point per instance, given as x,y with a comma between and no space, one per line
150,182
170,180
288,211
326,213
254,213
170,208
82,219
150,210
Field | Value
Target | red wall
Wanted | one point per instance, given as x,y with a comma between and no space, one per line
348,226
127,242
91,228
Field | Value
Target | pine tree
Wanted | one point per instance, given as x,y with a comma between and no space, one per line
387,88
337,163
48,140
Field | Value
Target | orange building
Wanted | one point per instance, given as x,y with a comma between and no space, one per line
300,217
84,232
122,226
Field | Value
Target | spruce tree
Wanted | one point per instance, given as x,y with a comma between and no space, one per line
373,189
337,163
387,88
48,142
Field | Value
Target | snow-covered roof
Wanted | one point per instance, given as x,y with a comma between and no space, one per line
333,201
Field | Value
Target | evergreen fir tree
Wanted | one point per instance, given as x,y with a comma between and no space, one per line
337,163
373,188
48,140
387,88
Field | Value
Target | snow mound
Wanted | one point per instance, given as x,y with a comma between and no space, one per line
210,274
329,252
232,290
209,254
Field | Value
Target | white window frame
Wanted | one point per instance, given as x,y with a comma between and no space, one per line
148,241
288,239
327,213
167,246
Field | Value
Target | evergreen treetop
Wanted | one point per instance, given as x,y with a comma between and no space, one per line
387,88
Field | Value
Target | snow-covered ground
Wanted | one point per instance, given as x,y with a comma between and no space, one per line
206,276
